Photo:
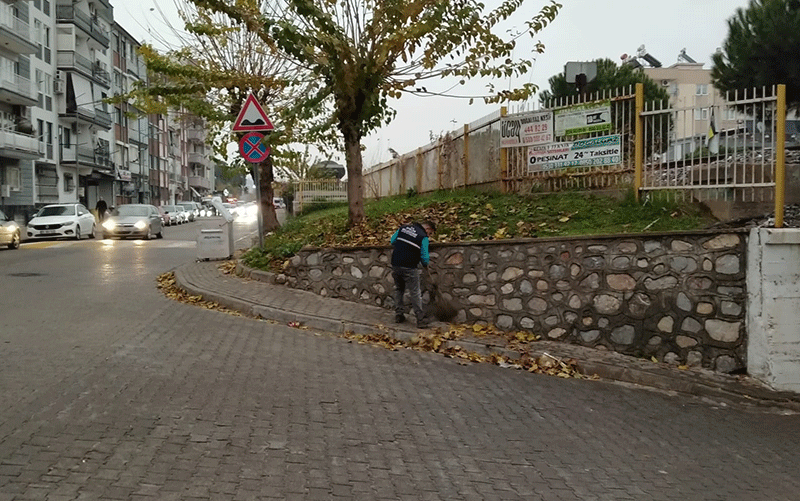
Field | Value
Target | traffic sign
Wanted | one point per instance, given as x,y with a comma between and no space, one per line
252,149
252,117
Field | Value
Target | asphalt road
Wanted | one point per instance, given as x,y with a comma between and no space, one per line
112,391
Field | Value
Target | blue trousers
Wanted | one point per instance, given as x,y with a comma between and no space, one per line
407,279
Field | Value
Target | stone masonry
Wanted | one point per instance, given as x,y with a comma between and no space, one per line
678,297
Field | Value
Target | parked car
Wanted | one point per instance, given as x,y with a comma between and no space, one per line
164,216
192,208
207,210
62,221
133,220
172,216
175,213
231,208
9,232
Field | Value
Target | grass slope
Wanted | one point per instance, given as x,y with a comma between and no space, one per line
467,215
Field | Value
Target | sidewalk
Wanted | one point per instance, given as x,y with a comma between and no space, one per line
258,298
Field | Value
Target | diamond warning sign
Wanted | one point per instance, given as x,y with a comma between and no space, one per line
252,117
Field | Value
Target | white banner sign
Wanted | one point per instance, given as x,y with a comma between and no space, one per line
526,129
606,150
583,119
123,175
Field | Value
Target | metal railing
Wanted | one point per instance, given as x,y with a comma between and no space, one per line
721,158
730,151
12,83
82,20
320,191
15,25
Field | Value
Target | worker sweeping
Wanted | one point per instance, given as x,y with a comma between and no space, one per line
410,243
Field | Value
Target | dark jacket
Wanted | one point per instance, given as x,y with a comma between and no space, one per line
410,244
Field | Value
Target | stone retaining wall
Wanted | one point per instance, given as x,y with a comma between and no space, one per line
678,297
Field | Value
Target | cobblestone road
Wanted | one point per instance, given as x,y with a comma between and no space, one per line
111,391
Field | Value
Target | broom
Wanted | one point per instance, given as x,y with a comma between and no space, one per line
443,310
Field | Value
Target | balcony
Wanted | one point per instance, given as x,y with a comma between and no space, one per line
137,130
196,158
100,74
15,89
70,60
15,34
96,116
71,14
196,134
86,156
198,182
19,145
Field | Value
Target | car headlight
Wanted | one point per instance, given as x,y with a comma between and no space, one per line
11,228
140,225
109,225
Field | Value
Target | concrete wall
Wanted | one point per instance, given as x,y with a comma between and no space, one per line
773,326
678,297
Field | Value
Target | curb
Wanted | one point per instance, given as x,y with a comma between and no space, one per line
697,383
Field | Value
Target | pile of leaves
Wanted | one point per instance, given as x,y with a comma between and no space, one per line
445,343
168,286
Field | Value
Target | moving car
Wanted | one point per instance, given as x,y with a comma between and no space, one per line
278,203
133,220
9,232
62,221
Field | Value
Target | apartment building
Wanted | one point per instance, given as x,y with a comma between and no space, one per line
60,141
19,147
693,97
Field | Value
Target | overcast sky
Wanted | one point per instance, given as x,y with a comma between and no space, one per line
583,31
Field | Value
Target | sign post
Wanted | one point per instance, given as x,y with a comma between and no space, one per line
253,119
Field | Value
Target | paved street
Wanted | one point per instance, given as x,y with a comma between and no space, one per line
112,391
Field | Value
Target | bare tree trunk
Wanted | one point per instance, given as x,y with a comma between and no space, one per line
355,180
265,205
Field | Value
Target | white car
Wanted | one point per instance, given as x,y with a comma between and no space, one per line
62,221
175,211
9,232
231,208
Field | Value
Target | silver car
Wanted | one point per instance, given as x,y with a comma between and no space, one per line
133,220
9,232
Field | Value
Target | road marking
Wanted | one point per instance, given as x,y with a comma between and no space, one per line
45,245
159,243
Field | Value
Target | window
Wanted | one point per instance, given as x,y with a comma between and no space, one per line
701,90
66,137
7,121
38,36
13,178
730,114
701,114
46,44
40,130
68,184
